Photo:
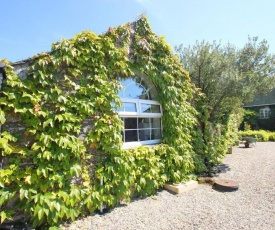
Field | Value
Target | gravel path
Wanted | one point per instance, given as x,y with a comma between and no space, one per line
250,207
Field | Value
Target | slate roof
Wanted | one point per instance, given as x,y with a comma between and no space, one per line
268,99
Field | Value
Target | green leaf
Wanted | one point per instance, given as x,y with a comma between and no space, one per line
5,196
28,179
44,172
47,155
5,215
75,170
51,206
59,117
40,213
11,96
36,210
142,181
45,139
62,99
2,117
36,146
3,142
57,206
48,122
3,101
23,194
73,214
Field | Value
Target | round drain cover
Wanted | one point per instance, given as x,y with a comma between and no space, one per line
225,185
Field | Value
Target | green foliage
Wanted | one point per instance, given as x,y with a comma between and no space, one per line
261,135
271,136
255,69
229,77
139,169
149,173
250,118
50,172
49,177
233,124
211,68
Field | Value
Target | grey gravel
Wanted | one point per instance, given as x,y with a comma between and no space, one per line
252,206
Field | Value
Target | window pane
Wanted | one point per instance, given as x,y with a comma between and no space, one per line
264,113
136,91
145,108
156,123
156,134
134,88
144,135
121,109
150,108
141,129
121,93
143,123
129,107
155,108
130,123
131,135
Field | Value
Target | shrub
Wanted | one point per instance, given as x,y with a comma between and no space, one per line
271,136
261,135
249,120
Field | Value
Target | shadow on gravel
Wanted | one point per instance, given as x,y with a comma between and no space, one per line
15,226
108,210
215,170
220,168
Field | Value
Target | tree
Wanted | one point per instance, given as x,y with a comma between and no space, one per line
227,76
256,69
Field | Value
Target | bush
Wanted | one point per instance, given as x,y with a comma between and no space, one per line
250,120
261,135
272,136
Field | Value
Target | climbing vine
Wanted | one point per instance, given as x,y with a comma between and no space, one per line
65,111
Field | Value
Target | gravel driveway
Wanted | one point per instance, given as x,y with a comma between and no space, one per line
250,207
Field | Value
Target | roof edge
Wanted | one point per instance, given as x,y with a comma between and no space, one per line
248,106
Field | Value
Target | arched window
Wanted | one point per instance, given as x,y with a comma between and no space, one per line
140,112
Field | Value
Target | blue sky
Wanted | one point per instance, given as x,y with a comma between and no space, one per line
29,27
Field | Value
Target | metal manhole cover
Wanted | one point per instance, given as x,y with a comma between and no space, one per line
226,185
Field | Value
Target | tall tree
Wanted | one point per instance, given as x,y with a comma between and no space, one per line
256,68
227,76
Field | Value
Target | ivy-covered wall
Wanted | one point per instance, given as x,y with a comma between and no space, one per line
61,137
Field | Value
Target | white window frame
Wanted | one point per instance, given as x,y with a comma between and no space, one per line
264,113
138,103
140,114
